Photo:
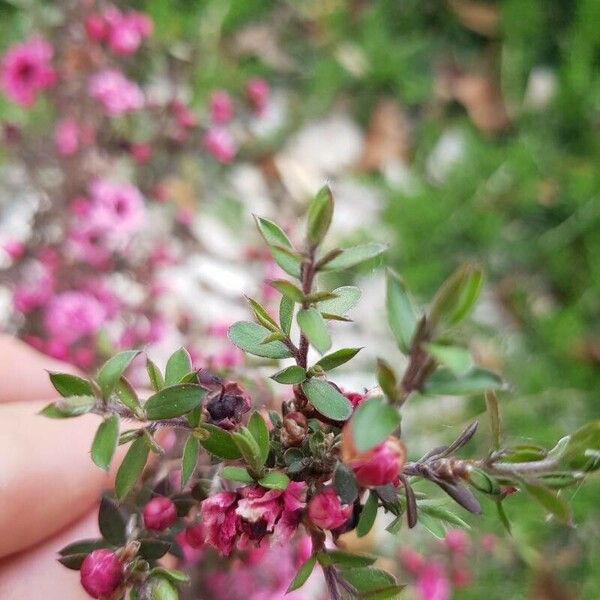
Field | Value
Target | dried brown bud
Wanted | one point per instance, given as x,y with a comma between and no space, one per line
294,429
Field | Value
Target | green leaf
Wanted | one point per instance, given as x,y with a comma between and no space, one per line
582,451
131,468
178,366
248,447
401,313
346,297
189,459
493,410
156,379
387,593
162,589
387,380
236,474
219,442
290,375
83,547
171,574
313,327
503,517
458,360
173,401
110,373
318,216
105,442
457,296
343,559
478,380
367,515
550,501
288,289
128,396
70,385
327,400
372,423
344,483
368,580
286,314
260,433
65,408
262,316
249,336
352,257
337,358
153,549
275,480
442,514
111,522
278,242
303,574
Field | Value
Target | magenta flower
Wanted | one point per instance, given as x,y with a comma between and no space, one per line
72,315
221,107
116,207
432,583
96,27
220,144
90,244
325,510
380,466
126,31
159,514
220,521
117,94
26,70
101,573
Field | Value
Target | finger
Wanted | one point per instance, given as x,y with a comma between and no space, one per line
47,479
37,575
23,375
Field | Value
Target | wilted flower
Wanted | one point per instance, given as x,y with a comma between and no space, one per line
117,94
294,429
220,521
26,70
226,406
325,510
101,573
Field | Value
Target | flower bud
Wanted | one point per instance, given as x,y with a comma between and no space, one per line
226,407
220,144
325,510
355,398
457,541
221,107
379,466
293,431
101,573
257,92
159,514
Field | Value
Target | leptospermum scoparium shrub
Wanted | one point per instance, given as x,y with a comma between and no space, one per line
326,462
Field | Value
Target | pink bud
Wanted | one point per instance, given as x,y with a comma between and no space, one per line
457,541
325,510
412,561
355,398
95,28
220,144
221,107
257,92
380,466
159,514
101,573
195,535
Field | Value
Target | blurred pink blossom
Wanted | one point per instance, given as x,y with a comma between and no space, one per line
220,144
126,31
116,207
117,94
221,107
257,92
26,70
71,315
432,583
14,248
66,137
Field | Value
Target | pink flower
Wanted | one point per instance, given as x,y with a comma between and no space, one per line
257,92
90,244
72,315
126,31
26,70
66,137
95,28
35,291
159,514
220,521
14,248
220,144
326,510
432,583
117,94
380,466
221,107
184,116
116,207
412,561
101,573
457,541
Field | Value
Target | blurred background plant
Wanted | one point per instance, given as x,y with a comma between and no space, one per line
456,129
